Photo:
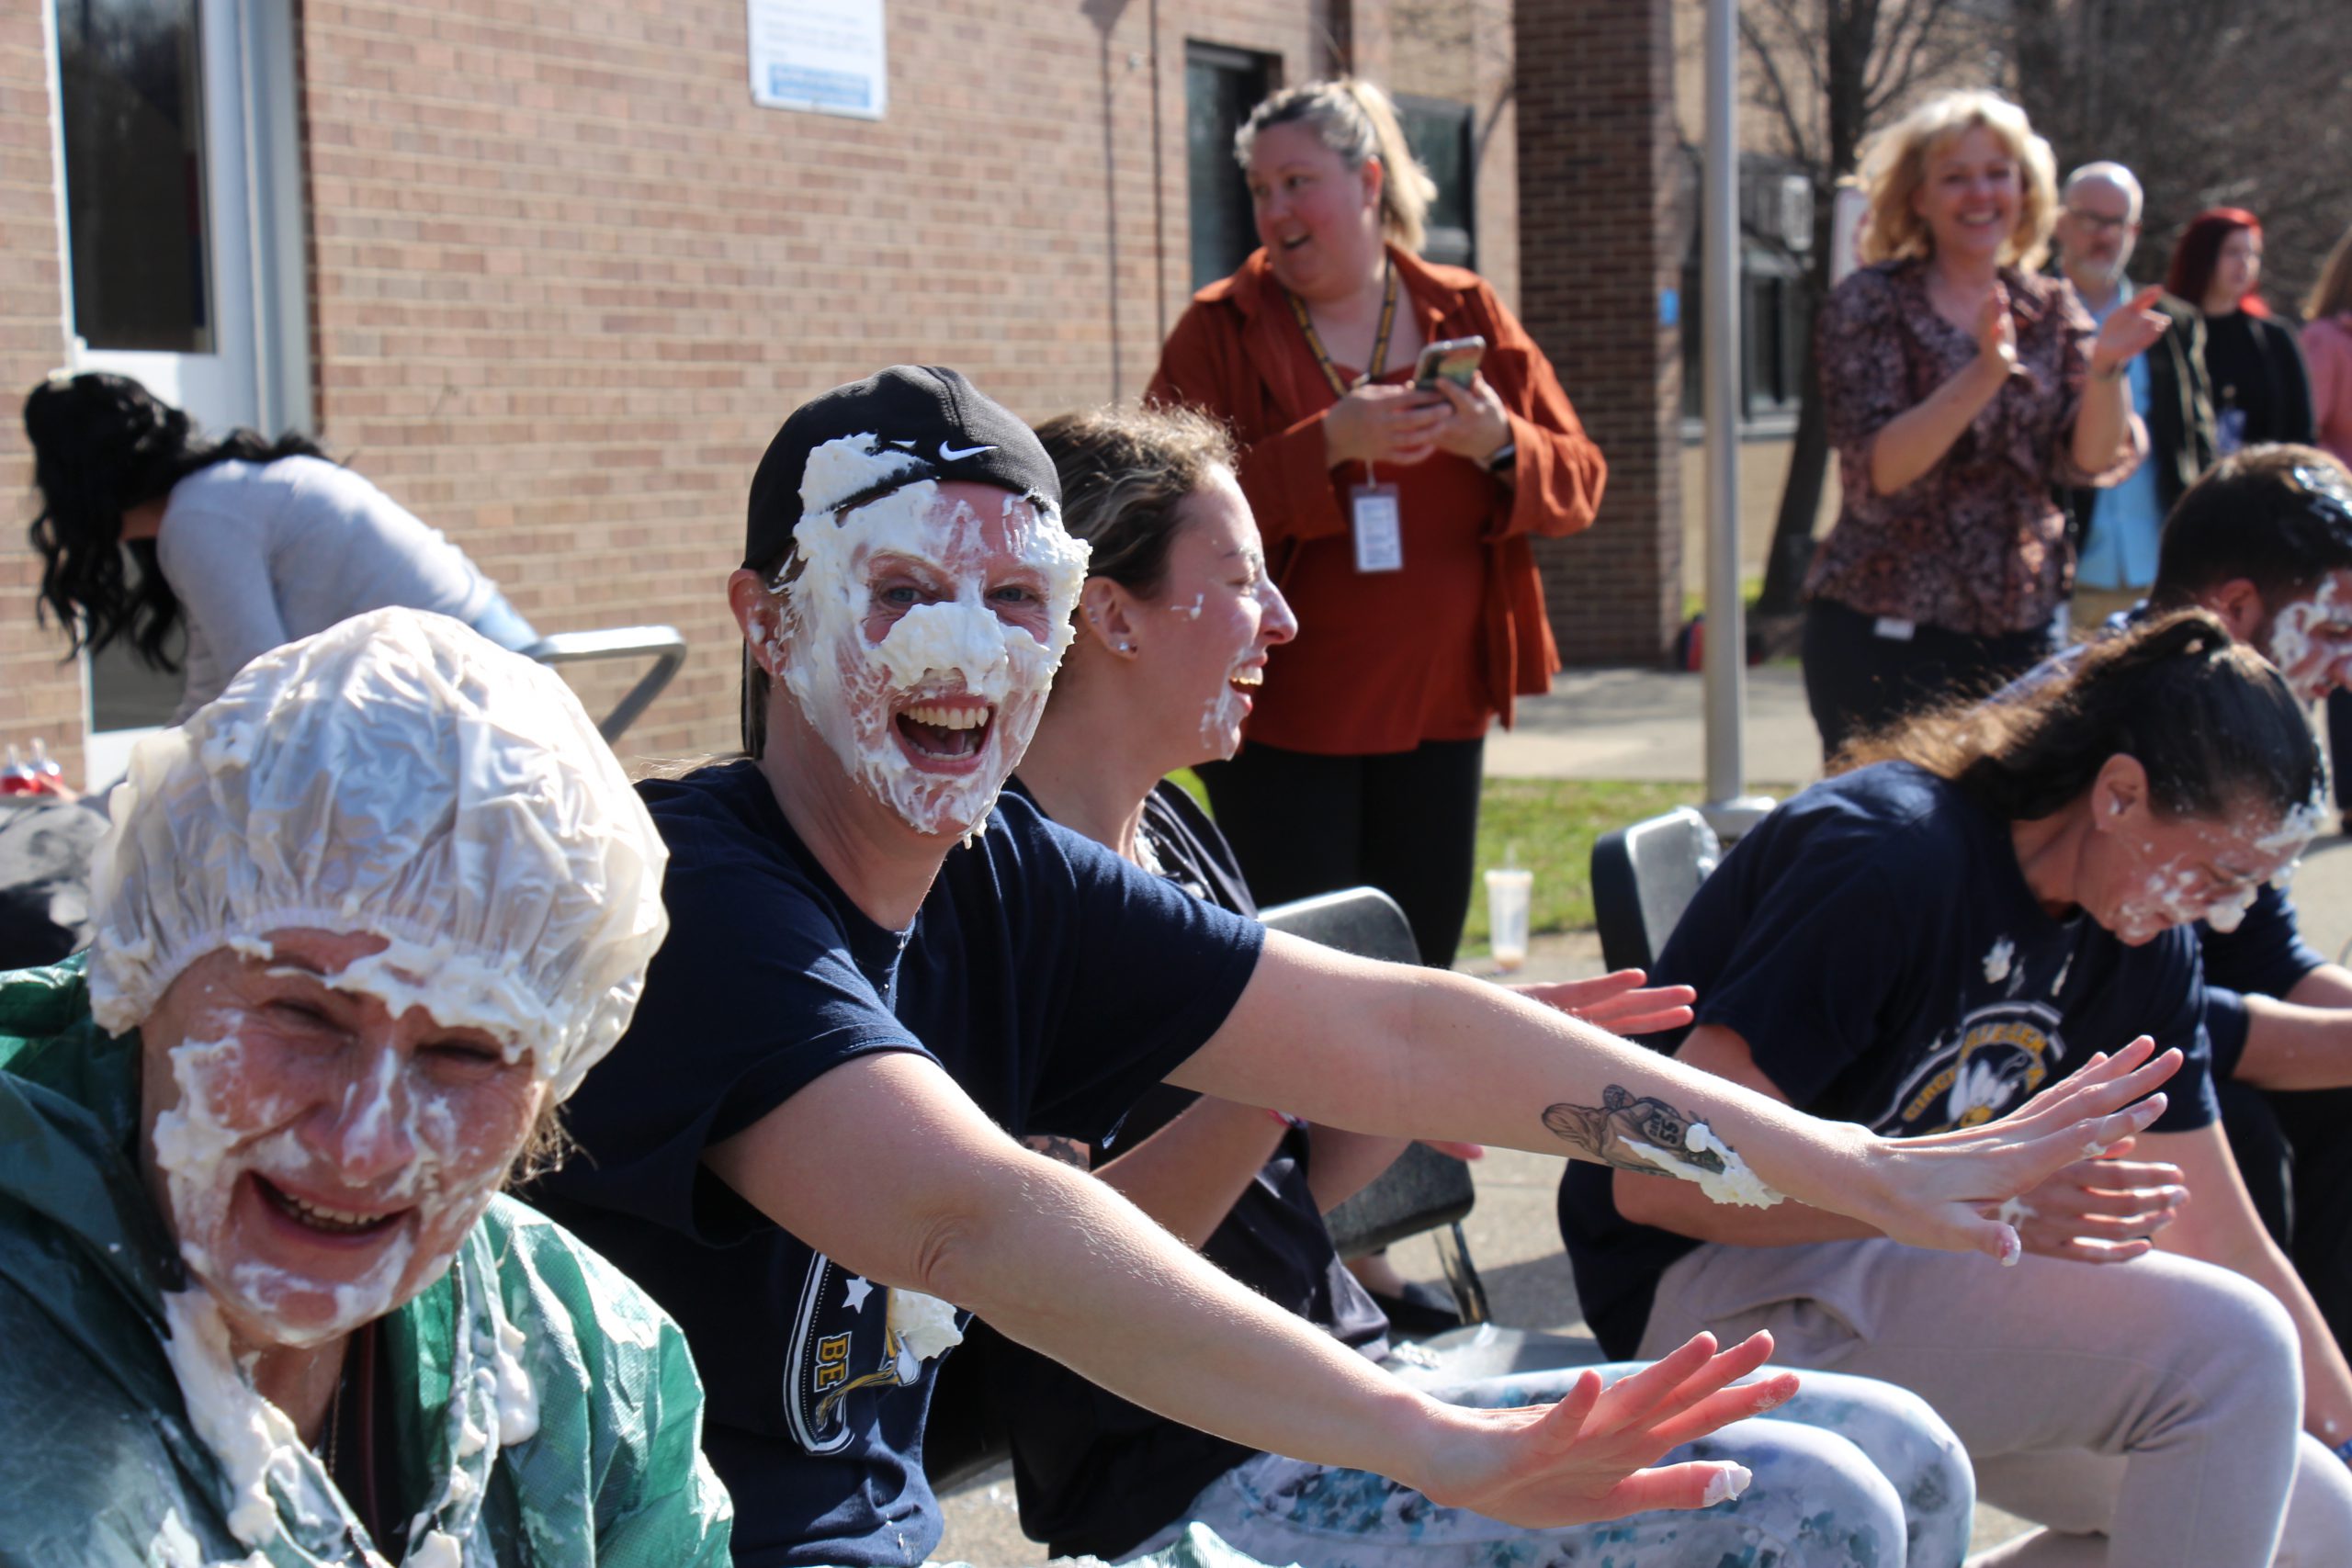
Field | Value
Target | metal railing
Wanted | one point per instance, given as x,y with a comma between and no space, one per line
666,645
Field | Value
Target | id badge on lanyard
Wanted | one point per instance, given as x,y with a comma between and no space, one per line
1378,524
1376,516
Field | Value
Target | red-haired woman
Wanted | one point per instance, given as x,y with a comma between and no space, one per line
2261,391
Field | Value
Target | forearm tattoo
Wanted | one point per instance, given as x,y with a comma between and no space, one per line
1643,1133
1065,1151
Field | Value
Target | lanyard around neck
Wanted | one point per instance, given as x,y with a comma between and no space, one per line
1379,362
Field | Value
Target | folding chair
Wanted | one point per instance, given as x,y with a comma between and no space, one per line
1424,1190
1644,877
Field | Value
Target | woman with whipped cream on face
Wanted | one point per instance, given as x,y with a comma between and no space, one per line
879,976
1993,894
1176,617
361,925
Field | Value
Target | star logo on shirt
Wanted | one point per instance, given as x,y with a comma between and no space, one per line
857,1289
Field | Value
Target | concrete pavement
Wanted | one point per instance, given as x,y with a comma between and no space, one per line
1649,724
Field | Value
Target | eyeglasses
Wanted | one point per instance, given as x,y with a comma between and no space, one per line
2098,223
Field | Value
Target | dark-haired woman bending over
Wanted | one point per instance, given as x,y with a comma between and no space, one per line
1921,943
247,542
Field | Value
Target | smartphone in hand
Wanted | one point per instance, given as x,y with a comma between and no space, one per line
1455,360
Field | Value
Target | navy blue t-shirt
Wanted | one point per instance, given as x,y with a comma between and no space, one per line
1874,942
2265,956
1052,980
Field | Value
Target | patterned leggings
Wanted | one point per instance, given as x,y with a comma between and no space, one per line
1852,1473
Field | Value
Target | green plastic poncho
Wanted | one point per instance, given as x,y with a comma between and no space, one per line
105,1467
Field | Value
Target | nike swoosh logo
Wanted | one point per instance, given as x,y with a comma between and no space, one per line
949,454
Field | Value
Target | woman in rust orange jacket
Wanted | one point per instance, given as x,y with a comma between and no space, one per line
1397,518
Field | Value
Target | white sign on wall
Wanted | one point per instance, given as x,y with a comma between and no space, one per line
821,55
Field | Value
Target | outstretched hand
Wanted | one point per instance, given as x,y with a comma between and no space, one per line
2097,1211
2128,332
1997,331
1943,1191
1618,1002
1583,1459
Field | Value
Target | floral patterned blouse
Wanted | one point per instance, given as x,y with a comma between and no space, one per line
1977,544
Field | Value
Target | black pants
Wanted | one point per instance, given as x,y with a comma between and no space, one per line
1405,822
2297,1162
1856,681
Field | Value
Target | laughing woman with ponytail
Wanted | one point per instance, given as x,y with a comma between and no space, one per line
1397,518
1994,895
246,542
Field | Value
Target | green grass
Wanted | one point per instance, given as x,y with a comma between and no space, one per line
1695,599
1546,826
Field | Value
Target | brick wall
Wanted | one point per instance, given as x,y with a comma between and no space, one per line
38,695
566,280
570,278
1596,246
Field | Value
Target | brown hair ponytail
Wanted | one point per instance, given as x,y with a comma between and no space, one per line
2213,725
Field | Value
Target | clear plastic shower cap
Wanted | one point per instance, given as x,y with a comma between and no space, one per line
397,775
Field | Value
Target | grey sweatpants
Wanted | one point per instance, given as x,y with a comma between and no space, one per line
2148,1412
1852,1473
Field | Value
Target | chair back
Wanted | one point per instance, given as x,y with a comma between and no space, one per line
1424,1189
1644,877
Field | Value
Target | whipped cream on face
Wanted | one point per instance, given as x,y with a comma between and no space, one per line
2302,822
2313,660
2179,891
1221,719
955,650
227,1126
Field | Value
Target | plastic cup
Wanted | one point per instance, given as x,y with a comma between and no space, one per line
1509,892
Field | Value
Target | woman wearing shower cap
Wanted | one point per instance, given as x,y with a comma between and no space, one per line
360,926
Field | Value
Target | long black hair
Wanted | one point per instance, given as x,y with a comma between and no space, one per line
103,443
2214,726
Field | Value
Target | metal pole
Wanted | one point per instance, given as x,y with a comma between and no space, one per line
1730,810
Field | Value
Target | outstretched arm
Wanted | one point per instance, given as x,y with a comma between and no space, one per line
2303,1041
1190,1173
1391,1049
884,1165
2093,1210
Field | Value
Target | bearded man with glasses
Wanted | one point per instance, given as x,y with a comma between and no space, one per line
2116,530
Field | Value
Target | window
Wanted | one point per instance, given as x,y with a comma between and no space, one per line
1775,321
130,78
1438,134
1221,86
